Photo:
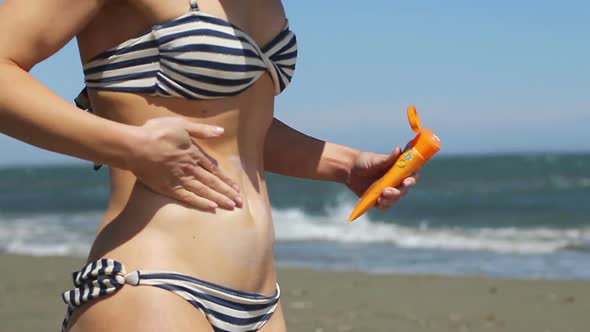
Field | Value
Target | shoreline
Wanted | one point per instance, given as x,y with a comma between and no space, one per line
326,301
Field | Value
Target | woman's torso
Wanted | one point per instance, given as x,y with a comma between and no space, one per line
148,231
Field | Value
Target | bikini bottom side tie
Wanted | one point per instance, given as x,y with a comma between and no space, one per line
226,309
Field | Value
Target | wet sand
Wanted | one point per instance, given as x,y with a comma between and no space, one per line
317,301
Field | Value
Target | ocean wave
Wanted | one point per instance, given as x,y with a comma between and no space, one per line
50,234
293,224
565,183
73,233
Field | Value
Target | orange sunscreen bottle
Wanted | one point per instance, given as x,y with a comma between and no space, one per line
416,153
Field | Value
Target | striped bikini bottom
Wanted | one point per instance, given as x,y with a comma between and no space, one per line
226,309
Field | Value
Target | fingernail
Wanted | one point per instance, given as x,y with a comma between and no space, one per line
217,130
239,200
231,203
236,187
213,205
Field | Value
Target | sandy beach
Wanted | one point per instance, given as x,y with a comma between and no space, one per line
319,301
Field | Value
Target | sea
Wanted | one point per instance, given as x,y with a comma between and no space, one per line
515,216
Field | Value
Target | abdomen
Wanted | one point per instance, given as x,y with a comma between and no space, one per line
146,230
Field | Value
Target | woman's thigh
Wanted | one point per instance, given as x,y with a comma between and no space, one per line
276,323
140,308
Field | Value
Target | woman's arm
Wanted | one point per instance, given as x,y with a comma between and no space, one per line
160,153
31,31
292,153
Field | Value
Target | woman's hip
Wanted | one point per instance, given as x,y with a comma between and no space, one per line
107,295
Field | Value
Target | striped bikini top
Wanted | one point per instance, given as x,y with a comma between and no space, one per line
194,56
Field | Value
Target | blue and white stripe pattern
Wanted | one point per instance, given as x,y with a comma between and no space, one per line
227,310
194,56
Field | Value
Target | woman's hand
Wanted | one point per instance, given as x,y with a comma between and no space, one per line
367,167
171,163
160,153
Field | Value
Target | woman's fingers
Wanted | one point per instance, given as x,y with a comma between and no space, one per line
172,163
391,195
201,190
201,130
191,199
214,188
210,164
407,184
417,176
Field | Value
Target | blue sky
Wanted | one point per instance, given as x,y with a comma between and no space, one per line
487,77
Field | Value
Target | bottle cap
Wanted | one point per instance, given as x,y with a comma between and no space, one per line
426,142
414,119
